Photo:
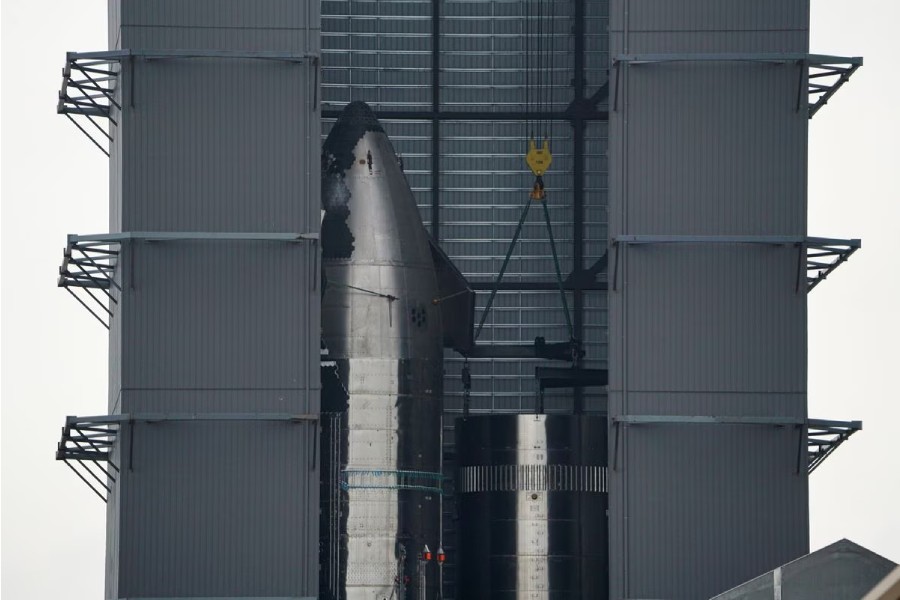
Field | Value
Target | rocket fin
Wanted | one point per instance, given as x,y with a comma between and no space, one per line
457,302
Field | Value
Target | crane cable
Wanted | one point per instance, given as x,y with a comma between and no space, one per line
537,159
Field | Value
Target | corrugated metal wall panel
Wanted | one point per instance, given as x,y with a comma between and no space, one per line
713,318
115,224
659,26
740,403
225,14
706,42
113,513
267,25
217,508
200,38
710,15
220,315
189,143
706,329
114,23
707,176
674,555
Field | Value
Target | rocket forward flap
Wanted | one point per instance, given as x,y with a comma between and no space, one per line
457,302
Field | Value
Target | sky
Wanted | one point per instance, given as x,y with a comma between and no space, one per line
54,182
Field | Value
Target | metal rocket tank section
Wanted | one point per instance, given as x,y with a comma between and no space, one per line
532,498
381,396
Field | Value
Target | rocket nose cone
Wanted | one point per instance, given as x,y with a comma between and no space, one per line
358,114
353,123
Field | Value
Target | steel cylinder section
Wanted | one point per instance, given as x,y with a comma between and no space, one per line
532,497
381,447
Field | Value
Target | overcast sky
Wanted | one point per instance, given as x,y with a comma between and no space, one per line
54,354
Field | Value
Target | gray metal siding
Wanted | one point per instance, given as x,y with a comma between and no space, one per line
703,329
711,15
202,38
219,510
221,145
702,522
216,508
265,25
711,25
714,149
221,315
226,14
114,23
712,319
113,513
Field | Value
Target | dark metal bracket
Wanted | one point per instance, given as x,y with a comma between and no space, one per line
823,438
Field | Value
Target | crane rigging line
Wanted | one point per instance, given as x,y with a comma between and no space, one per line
526,35
540,62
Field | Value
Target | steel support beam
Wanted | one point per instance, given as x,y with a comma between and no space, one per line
159,417
435,120
538,350
578,147
168,236
119,55
703,420
537,286
570,377
462,115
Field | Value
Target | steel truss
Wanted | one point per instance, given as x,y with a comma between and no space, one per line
90,87
89,441
89,262
824,256
821,255
88,273
823,438
822,74
88,91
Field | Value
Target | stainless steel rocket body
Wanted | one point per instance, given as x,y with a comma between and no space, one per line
381,450
532,497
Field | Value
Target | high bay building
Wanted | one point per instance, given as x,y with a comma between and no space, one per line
677,204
